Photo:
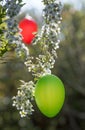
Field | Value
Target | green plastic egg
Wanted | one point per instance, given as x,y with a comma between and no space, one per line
49,95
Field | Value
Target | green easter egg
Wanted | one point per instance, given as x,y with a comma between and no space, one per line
49,95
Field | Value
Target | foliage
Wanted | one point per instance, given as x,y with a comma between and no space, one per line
9,37
3,42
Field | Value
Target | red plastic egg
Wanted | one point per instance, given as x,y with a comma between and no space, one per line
28,30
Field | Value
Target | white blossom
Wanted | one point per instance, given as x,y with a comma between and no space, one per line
24,97
12,8
48,40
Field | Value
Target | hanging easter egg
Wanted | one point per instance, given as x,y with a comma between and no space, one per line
28,29
49,95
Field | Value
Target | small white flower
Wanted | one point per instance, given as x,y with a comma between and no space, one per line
23,113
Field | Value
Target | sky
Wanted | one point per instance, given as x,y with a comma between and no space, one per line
38,4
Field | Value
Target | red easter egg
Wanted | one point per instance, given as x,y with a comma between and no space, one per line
28,30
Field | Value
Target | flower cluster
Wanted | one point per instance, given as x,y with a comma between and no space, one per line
48,40
24,97
12,8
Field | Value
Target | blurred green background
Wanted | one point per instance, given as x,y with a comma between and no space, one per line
70,67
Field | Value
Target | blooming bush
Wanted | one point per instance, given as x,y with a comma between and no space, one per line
47,40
